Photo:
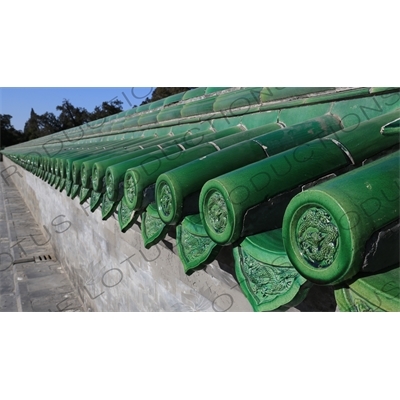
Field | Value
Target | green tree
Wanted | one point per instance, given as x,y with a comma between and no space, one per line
41,125
8,134
71,116
107,108
31,128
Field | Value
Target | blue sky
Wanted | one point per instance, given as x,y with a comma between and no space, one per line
18,102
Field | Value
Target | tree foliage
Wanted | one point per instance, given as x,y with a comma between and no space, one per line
69,116
41,125
107,108
8,134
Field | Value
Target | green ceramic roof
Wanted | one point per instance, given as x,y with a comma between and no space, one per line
277,174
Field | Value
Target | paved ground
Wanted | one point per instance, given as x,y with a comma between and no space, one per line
31,279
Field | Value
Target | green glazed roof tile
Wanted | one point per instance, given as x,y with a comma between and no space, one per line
118,126
110,118
148,118
144,107
253,120
197,110
277,93
349,301
126,217
131,111
156,104
314,98
124,114
290,117
160,131
131,122
237,99
198,107
384,89
190,94
266,275
169,113
354,111
173,99
178,129
378,292
106,128
153,229
341,210
220,123
195,248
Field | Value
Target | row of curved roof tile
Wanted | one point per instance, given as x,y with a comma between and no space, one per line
299,182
